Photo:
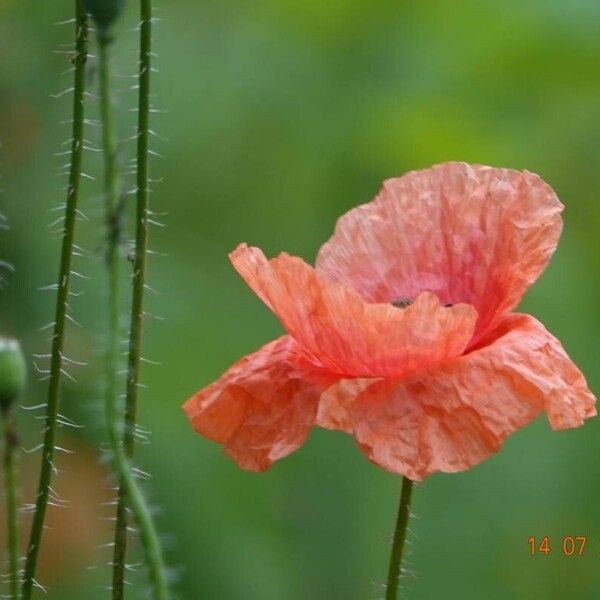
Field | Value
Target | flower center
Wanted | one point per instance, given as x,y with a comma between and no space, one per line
404,301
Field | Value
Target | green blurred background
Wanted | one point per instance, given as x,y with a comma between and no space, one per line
279,116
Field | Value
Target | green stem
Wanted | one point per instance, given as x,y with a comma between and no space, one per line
129,493
399,540
113,238
135,499
10,445
64,278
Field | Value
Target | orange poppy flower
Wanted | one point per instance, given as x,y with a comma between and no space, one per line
403,334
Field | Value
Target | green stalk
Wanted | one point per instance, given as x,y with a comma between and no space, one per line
135,499
399,540
10,445
141,220
113,228
64,278
129,493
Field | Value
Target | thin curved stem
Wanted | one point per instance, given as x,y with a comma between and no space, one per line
10,481
64,278
399,540
129,493
136,501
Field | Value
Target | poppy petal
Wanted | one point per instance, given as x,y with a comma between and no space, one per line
346,335
468,233
336,402
455,416
261,409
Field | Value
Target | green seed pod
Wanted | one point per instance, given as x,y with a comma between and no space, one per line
104,13
12,372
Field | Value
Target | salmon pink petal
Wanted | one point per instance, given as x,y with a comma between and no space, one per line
455,416
261,409
468,233
346,335
336,403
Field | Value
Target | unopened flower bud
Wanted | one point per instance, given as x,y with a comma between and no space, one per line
12,371
104,13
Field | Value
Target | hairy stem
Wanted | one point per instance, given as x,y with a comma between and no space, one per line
399,540
136,501
113,238
64,278
129,493
10,445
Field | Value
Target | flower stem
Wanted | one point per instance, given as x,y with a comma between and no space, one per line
113,238
141,236
148,535
129,493
64,278
10,445
399,540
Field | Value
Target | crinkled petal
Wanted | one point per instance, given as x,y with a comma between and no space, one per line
348,336
455,416
261,409
336,402
468,233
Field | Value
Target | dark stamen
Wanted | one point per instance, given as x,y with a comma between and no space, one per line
402,302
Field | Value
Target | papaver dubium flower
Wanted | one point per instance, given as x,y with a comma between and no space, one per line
404,335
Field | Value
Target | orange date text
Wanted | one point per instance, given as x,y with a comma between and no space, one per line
569,545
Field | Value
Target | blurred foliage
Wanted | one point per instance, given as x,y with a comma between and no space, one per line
279,117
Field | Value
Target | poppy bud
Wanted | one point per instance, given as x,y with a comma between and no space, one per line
104,13
12,372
